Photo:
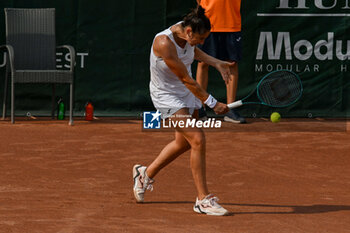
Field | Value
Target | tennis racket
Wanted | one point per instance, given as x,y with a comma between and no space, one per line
279,88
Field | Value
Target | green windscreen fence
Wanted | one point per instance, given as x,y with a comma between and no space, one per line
113,40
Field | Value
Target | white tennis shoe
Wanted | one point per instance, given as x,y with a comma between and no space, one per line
141,182
209,205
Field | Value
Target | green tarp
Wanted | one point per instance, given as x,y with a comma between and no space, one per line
113,39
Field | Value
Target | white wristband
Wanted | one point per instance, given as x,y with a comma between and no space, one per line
211,101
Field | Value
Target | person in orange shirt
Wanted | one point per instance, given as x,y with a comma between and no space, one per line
224,43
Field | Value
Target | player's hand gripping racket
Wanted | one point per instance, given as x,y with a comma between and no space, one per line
280,88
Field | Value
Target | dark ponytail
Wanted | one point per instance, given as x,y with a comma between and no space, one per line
197,20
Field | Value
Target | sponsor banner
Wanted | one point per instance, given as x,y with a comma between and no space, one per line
310,38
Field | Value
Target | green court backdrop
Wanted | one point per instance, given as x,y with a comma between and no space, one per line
112,39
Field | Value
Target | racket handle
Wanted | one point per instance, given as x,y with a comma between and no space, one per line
235,104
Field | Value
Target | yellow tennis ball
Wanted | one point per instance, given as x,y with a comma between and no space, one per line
275,117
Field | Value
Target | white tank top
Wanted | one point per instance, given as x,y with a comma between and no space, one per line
163,80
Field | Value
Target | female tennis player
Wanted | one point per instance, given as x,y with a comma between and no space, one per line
175,93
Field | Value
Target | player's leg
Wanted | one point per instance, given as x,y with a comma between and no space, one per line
169,153
143,175
185,138
196,139
205,203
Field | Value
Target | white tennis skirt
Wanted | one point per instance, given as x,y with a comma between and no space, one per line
170,103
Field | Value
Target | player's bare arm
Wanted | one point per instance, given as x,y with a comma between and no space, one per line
225,68
163,47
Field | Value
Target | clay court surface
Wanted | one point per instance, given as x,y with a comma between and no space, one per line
289,177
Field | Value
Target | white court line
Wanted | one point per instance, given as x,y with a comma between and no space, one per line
300,15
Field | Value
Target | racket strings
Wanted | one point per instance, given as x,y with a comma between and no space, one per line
280,89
